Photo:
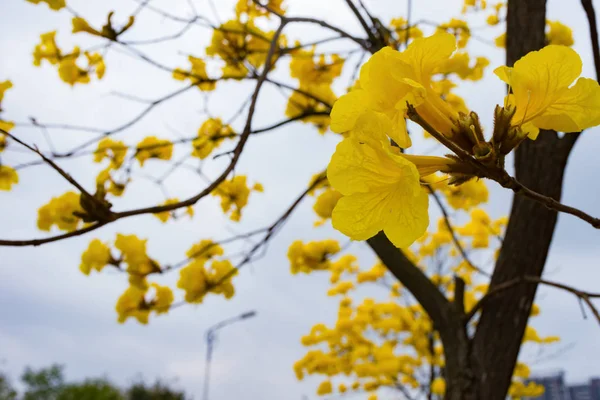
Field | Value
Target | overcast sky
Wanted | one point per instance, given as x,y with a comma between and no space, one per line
50,312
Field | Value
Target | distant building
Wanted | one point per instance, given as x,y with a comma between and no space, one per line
556,388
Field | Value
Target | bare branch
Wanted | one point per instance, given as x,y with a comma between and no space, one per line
590,13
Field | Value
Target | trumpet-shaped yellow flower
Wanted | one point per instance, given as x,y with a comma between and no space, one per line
324,388
204,251
390,79
52,4
133,252
97,256
543,95
8,177
192,280
438,386
405,32
380,189
163,299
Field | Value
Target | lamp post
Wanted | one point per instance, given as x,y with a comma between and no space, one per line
211,336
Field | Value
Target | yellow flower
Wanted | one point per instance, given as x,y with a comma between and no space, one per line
133,252
521,370
559,34
192,280
236,43
438,386
400,26
132,304
60,211
114,150
543,96
81,25
390,79
300,104
153,147
492,19
380,189
468,195
204,251
210,136
97,256
96,61
219,278
53,4
531,335
372,275
341,288
312,256
8,177
326,203
165,215
324,388
70,72
250,8
197,74
234,194
4,86
459,64
47,50
163,299
459,29
500,41
322,72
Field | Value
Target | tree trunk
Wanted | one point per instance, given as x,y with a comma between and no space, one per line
540,165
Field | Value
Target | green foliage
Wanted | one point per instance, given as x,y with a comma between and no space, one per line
44,384
6,390
91,389
158,391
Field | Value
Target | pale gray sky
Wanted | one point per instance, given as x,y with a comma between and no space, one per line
50,312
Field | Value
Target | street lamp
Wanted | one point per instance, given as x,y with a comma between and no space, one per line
211,337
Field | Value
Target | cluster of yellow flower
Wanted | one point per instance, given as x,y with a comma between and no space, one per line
250,9
8,175
312,256
387,343
197,281
108,31
68,69
164,216
61,211
314,94
234,195
403,31
239,45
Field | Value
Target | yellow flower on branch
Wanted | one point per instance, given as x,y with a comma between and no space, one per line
96,257
61,211
234,195
52,4
153,147
133,253
114,150
210,136
391,79
252,10
131,304
542,92
381,189
8,176
197,75
312,256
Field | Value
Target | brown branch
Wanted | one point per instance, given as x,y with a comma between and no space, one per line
375,42
582,295
58,169
590,13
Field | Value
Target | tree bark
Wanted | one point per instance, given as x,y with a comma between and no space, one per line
540,165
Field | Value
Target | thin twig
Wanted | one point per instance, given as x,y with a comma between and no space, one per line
590,13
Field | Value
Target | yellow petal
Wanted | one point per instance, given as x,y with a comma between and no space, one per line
407,219
426,54
362,215
576,109
347,109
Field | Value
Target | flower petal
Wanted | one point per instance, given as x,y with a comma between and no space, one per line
576,109
362,215
347,109
408,218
